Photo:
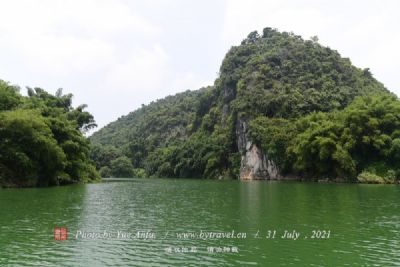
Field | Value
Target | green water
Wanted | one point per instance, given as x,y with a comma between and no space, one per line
363,220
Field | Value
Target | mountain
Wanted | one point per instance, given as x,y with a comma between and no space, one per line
251,123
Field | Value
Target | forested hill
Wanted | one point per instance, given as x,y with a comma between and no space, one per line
159,122
255,121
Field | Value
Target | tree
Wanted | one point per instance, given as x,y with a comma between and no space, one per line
41,142
103,155
121,167
9,96
29,154
105,172
360,137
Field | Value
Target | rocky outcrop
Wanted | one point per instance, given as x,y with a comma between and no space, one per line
254,163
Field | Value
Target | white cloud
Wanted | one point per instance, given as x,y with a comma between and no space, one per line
86,46
142,70
58,37
59,17
189,81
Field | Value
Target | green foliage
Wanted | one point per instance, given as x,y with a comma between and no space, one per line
9,96
59,105
282,75
360,133
121,167
174,137
273,81
370,178
157,124
373,178
29,154
318,151
40,143
102,155
274,135
105,172
362,137
201,156
380,172
139,173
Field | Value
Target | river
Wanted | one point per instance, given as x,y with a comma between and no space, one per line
182,222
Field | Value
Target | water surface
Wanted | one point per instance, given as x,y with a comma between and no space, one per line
363,223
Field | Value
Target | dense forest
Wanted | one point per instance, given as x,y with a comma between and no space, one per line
279,102
41,139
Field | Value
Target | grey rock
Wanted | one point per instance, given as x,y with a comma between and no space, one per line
254,163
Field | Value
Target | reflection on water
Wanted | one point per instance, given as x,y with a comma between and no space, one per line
363,221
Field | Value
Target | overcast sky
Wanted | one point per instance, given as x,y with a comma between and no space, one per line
116,55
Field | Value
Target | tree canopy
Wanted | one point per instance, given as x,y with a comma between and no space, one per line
362,138
41,139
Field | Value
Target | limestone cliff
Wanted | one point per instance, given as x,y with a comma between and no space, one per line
254,163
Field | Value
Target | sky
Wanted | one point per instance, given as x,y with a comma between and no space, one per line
115,55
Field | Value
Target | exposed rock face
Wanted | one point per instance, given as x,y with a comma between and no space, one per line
254,163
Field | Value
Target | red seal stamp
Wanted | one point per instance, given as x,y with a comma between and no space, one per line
60,233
